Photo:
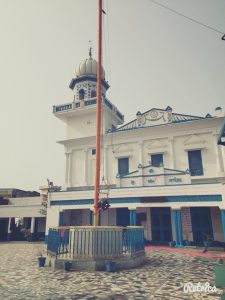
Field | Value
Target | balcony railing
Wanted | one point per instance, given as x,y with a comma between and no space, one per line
77,105
62,107
99,242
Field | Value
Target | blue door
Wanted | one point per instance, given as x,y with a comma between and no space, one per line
201,224
122,217
161,225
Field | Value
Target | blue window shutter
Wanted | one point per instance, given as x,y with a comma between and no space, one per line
195,162
123,166
157,160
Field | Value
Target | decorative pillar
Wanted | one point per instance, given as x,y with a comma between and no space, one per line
140,144
218,155
8,230
172,156
105,171
221,158
178,227
133,217
223,221
85,166
32,226
140,159
67,167
61,218
32,236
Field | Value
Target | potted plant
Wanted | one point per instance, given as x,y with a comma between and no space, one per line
187,241
41,258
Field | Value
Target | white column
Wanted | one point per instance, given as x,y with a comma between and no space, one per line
8,230
67,167
85,166
69,173
218,156
9,223
140,152
172,156
105,164
221,157
140,158
32,226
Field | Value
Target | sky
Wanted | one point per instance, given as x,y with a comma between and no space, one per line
152,58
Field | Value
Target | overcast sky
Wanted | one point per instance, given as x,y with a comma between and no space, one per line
152,58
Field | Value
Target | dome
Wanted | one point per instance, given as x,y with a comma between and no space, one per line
89,67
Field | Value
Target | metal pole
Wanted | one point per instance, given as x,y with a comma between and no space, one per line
98,116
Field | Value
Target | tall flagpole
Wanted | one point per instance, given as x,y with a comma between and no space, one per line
98,116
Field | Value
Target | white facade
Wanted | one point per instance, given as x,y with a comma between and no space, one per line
191,174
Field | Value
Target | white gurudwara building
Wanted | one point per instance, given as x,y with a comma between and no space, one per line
163,170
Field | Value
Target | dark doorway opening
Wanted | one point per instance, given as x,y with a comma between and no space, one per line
3,229
201,224
161,225
122,217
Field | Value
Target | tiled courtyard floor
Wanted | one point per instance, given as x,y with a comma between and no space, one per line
161,278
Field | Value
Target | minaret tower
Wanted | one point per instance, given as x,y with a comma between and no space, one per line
80,114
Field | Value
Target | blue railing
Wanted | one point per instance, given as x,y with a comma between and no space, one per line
62,107
95,242
58,241
133,240
90,102
108,103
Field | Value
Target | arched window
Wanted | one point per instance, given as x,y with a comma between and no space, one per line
93,93
81,94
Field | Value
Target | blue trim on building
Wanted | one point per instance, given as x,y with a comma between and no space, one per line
178,227
192,198
133,217
91,201
71,202
223,221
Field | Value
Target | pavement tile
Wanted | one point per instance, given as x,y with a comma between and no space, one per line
162,277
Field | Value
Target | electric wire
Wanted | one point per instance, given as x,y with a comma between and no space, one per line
188,18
